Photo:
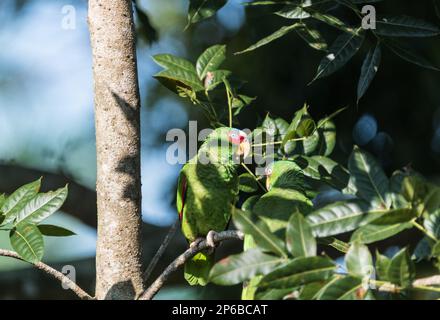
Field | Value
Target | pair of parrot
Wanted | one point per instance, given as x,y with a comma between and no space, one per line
206,195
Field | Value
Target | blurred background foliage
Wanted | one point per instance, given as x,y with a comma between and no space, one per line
46,114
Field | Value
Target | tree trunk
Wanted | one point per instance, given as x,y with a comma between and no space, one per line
117,121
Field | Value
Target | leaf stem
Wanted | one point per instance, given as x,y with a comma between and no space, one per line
422,229
254,176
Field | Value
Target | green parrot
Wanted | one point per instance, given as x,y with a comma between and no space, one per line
206,195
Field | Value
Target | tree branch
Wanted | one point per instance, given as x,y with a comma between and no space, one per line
161,250
53,273
425,284
180,261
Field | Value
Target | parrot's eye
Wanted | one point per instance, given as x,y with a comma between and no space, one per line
269,171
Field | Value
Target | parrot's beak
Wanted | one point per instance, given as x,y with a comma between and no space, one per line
244,149
267,183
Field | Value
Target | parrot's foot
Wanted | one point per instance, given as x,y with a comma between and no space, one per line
196,242
210,238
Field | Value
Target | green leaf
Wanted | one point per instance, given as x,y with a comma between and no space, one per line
388,225
342,217
259,232
27,241
17,200
203,9
382,266
432,224
436,250
210,60
274,36
406,53
178,70
358,260
369,179
241,267
41,206
2,201
346,288
299,238
298,272
369,70
276,207
54,231
337,244
324,169
292,11
312,37
396,188
248,183
404,26
422,250
273,294
327,137
332,21
339,53
401,270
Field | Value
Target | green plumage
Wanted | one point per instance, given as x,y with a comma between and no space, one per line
206,196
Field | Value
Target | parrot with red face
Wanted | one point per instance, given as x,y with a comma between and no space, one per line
206,195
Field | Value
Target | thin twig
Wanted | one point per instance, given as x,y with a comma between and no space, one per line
53,273
425,284
161,250
180,261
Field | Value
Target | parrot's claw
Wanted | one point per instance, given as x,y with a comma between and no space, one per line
196,242
210,238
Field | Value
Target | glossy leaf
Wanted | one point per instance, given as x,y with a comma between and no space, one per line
390,224
346,288
274,36
276,207
178,69
339,53
369,179
41,206
240,267
299,238
298,272
404,26
382,266
293,12
312,37
27,241
369,70
341,217
248,183
203,9
432,224
259,232
210,60
54,231
401,270
407,53
358,260
18,199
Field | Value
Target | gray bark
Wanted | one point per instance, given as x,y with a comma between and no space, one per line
117,121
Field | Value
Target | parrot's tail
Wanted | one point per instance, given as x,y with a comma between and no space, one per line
197,269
